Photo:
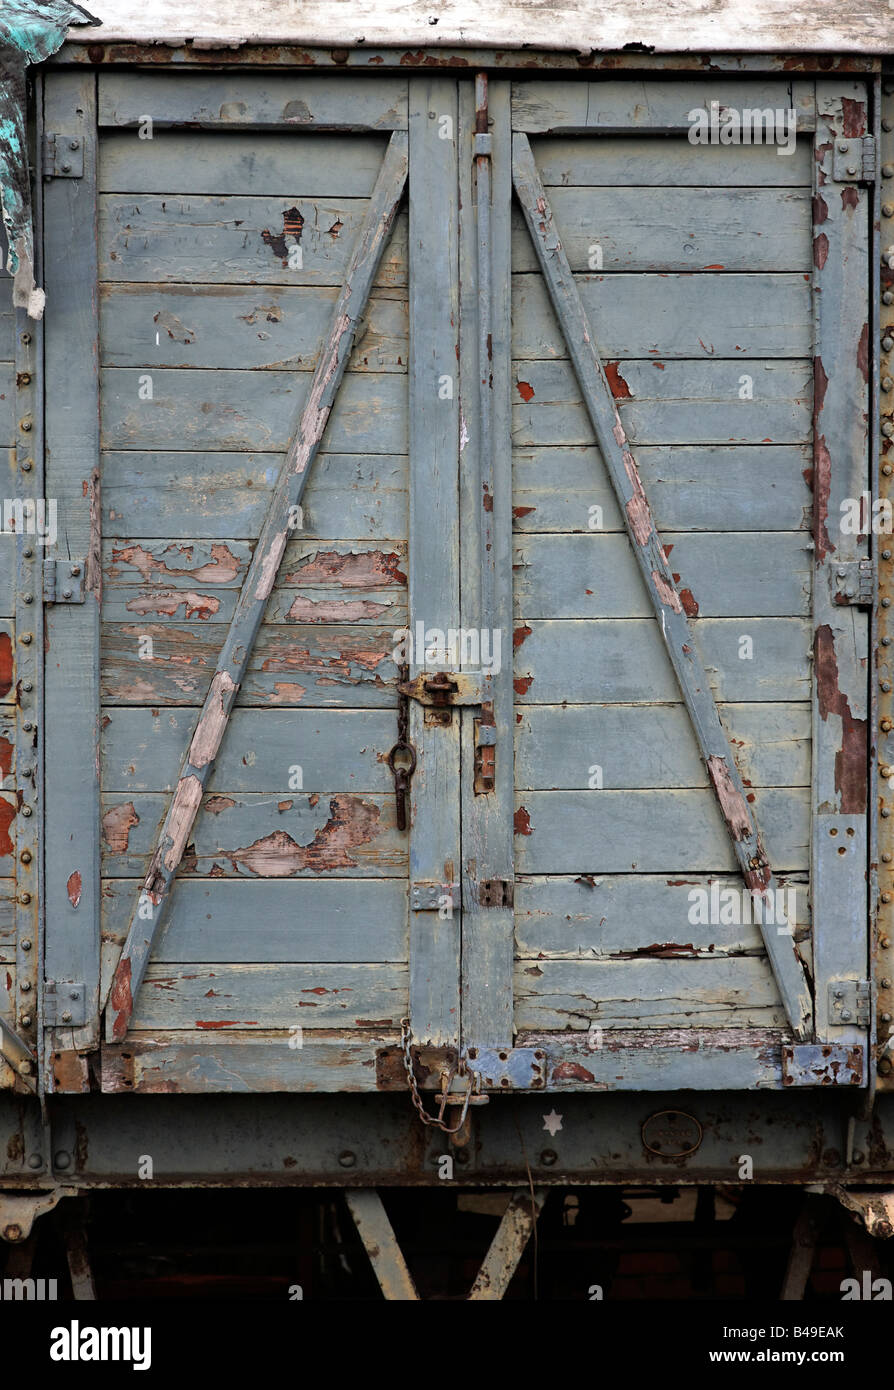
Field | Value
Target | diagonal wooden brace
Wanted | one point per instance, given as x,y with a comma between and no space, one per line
149,911
646,544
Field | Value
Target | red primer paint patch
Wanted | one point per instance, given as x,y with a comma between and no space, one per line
519,512
619,388
572,1071
820,250
7,815
521,634
525,390
851,759
74,888
522,684
6,673
522,822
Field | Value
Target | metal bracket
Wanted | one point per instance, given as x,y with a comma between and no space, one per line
16,1051
482,146
63,157
63,581
853,582
854,160
849,1003
823,1064
507,1068
427,896
64,1004
496,892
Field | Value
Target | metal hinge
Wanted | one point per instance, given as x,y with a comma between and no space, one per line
64,1004
496,892
849,1003
427,896
63,157
63,581
853,160
853,582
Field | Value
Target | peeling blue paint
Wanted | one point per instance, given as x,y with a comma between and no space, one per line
29,33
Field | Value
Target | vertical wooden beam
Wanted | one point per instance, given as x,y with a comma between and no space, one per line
377,1234
839,849
486,506
801,1255
72,713
508,1245
435,444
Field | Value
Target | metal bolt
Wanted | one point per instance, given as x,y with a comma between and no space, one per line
26,640
24,899
549,1157
26,811
887,470
27,685
74,994
62,1159
347,1159
886,1018
887,125
25,856
887,726
27,465
27,598
26,944
25,1020
842,574
886,771
886,554
26,425
66,167
888,297
858,1157
884,1067
887,383
888,171
843,147
852,169
66,593
885,983
886,641
887,343
884,942
35,1161
845,1015
66,1017
886,686
885,813
28,552
26,986
74,144
886,897
887,208
886,858
75,569
888,429
838,994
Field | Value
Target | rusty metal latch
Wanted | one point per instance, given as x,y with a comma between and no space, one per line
63,581
63,157
444,689
853,582
854,160
849,1003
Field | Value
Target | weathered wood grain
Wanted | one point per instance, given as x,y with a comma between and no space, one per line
7,571
7,664
246,835
587,662
669,316
221,997
7,920
358,919
645,916
285,163
223,495
720,488
655,831
641,746
252,99
641,229
205,239
661,161
8,817
307,664
332,604
249,410
227,325
306,564
7,749
683,402
7,405
624,994
592,576
557,105
334,749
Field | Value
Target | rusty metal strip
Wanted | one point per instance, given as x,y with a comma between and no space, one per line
666,602
149,911
508,1245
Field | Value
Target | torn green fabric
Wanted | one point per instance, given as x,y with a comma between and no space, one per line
29,33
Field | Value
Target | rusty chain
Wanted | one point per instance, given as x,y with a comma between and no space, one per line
437,1121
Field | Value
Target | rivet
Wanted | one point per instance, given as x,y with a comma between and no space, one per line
887,429
887,124
27,598
66,593
884,942
35,1161
887,726
25,856
888,297
884,1067
843,147
885,813
886,771
886,554
886,857
887,383
887,208
26,944
66,167
347,1159
25,986
25,425
74,144
886,641
25,1020
888,171
886,1018
887,343
66,1017
838,994
549,1157
62,1159
24,899
26,640
27,685
885,983
26,811
887,469
852,169
75,569
845,1014
886,897
27,465
886,686
74,994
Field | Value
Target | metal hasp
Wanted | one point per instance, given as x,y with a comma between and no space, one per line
63,157
148,911
63,581
666,602
854,160
507,1068
64,1004
824,1064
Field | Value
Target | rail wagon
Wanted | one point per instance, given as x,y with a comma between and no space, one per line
445,692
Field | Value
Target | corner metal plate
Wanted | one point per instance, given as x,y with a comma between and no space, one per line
823,1064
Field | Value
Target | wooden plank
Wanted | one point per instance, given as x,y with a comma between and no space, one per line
223,101
71,734
764,575
434,541
681,403
315,665
639,746
558,994
508,1245
841,644
757,230
722,488
625,105
356,920
7,749
232,663
222,325
7,920
646,916
486,539
249,410
669,316
654,831
333,749
282,995
8,835
305,564
350,495
8,695
7,405
662,161
281,164
591,661
380,1243
662,1059
331,605
206,239
257,835
196,1062
7,570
